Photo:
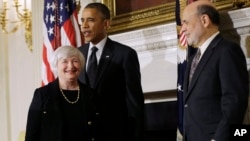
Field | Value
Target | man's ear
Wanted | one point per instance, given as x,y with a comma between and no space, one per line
205,20
107,24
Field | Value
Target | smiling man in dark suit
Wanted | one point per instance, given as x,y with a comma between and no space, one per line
216,92
116,108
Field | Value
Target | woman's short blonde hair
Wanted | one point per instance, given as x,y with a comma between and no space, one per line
63,52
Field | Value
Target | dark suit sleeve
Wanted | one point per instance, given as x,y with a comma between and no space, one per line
34,118
234,84
135,98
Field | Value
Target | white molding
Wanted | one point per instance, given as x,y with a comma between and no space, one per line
157,46
158,37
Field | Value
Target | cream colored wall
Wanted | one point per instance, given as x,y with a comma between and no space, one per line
4,98
20,73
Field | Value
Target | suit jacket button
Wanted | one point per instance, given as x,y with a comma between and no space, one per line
186,105
89,123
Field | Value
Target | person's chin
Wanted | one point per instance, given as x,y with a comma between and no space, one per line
72,77
87,39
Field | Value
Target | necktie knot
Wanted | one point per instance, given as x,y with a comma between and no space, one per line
94,49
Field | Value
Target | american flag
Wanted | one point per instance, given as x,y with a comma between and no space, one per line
181,62
60,27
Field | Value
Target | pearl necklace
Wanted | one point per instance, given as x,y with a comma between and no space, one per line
71,102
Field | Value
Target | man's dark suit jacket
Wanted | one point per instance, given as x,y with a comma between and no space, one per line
45,116
116,110
217,95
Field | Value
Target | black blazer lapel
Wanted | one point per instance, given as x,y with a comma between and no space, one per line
186,76
53,95
84,49
203,61
53,116
105,59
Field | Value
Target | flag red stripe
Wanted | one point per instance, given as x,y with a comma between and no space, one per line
50,75
69,29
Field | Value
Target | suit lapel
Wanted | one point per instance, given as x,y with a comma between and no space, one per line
84,50
203,61
54,93
105,59
186,76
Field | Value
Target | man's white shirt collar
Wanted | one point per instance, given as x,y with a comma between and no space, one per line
100,47
204,46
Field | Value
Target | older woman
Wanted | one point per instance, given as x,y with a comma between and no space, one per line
57,111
